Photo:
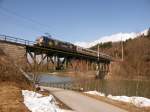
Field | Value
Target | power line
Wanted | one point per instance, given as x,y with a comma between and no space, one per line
23,17
22,25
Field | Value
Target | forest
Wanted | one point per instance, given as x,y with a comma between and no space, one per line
135,63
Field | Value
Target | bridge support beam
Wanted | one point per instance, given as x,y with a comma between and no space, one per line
52,61
45,59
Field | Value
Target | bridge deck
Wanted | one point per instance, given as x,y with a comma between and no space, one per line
29,45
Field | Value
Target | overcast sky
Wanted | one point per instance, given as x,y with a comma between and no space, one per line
72,20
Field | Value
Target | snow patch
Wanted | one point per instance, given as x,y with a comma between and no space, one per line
95,93
135,100
39,103
113,38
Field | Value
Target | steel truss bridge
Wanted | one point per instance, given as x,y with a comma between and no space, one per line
52,59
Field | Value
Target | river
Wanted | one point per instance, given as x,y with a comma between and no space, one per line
113,87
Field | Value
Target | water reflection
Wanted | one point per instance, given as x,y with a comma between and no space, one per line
114,87
54,79
121,87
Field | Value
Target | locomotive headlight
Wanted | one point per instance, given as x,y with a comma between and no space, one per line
50,43
41,40
56,43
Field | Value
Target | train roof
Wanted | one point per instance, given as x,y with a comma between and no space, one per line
56,39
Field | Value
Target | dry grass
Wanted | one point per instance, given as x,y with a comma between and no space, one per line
9,73
11,99
12,82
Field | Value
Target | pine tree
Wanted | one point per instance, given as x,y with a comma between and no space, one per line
148,32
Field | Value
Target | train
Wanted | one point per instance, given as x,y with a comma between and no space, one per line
48,42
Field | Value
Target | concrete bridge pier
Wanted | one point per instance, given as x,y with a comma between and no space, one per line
102,70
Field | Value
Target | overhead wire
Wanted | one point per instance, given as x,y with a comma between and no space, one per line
25,18
22,25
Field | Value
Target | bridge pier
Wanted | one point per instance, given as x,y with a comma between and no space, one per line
102,69
51,61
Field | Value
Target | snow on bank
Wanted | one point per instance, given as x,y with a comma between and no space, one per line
39,103
95,93
137,101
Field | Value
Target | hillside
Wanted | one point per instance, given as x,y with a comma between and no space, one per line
136,63
113,38
12,82
9,73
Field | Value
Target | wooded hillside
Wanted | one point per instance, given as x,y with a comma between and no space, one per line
136,62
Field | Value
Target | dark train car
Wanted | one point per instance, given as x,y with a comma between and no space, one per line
86,51
47,42
105,56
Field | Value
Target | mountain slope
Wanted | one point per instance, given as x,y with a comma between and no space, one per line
112,38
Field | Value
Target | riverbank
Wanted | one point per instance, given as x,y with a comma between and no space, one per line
11,99
127,106
12,82
116,72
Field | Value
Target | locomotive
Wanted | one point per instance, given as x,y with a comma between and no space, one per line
48,42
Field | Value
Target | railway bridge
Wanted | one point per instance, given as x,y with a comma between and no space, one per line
28,56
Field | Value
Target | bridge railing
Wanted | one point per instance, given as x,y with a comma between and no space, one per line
30,43
16,40
103,55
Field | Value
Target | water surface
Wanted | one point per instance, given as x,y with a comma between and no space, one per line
48,78
114,87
